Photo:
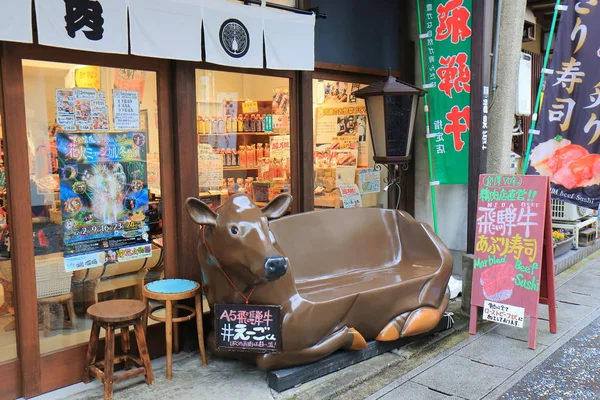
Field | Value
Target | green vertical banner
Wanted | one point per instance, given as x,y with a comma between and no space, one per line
448,59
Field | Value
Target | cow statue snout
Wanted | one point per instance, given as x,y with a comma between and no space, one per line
275,267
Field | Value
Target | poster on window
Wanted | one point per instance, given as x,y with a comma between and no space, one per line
447,56
567,150
126,109
333,121
104,197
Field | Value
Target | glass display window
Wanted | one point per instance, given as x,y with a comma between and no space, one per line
243,128
345,174
8,343
93,148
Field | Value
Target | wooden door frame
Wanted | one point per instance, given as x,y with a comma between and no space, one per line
42,373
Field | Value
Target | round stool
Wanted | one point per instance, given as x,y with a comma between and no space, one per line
170,291
111,315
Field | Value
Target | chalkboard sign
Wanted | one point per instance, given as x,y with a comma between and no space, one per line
247,327
513,260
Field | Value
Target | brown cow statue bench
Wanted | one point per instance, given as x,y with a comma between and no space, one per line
342,277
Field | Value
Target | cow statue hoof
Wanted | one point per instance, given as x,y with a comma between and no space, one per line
413,323
358,341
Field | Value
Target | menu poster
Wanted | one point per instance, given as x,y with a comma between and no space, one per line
126,109
511,238
99,115
350,196
280,146
369,181
347,157
104,197
335,120
65,102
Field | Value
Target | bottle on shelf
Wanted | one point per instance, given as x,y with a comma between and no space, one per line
243,157
260,152
240,123
213,125
228,124
220,125
252,156
260,127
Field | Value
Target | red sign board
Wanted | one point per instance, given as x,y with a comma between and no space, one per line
513,258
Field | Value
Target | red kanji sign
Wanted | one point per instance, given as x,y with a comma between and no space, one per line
453,20
458,123
454,74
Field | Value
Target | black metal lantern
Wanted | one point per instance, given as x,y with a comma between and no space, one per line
391,110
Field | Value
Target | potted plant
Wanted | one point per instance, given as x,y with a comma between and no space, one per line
563,242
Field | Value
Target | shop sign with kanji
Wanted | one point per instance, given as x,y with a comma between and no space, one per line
509,243
447,57
567,148
247,327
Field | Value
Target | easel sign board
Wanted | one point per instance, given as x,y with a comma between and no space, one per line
514,260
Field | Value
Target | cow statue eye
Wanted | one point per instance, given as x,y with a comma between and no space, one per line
234,230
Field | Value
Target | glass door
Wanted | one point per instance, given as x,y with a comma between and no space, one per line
95,186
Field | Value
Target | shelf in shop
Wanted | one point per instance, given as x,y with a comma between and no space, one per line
244,133
240,168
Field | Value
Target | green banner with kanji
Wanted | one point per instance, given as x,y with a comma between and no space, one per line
448,58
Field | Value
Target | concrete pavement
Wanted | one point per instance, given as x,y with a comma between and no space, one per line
449,365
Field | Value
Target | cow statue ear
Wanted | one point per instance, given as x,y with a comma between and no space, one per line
200,212
278,206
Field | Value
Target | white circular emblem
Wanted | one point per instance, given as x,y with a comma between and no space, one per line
234,38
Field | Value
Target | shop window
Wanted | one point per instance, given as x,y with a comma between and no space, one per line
95,190
243,126
343,154
8,344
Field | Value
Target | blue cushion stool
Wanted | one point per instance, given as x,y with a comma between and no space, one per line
170,291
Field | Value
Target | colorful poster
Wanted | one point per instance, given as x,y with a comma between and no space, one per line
126,109
369,181
99,115
333,121
509,240
129,80
447,56
104,197
567,150
350,196
65,102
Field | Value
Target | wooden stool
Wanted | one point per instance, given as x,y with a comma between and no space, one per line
111,315
64,298
170,291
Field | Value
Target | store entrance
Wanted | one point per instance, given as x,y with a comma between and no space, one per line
95,171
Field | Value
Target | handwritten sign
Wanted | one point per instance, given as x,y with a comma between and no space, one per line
511,212
249,107
350,196
88,77
369,181
247,327
503,314
280,146
210,167
126,106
